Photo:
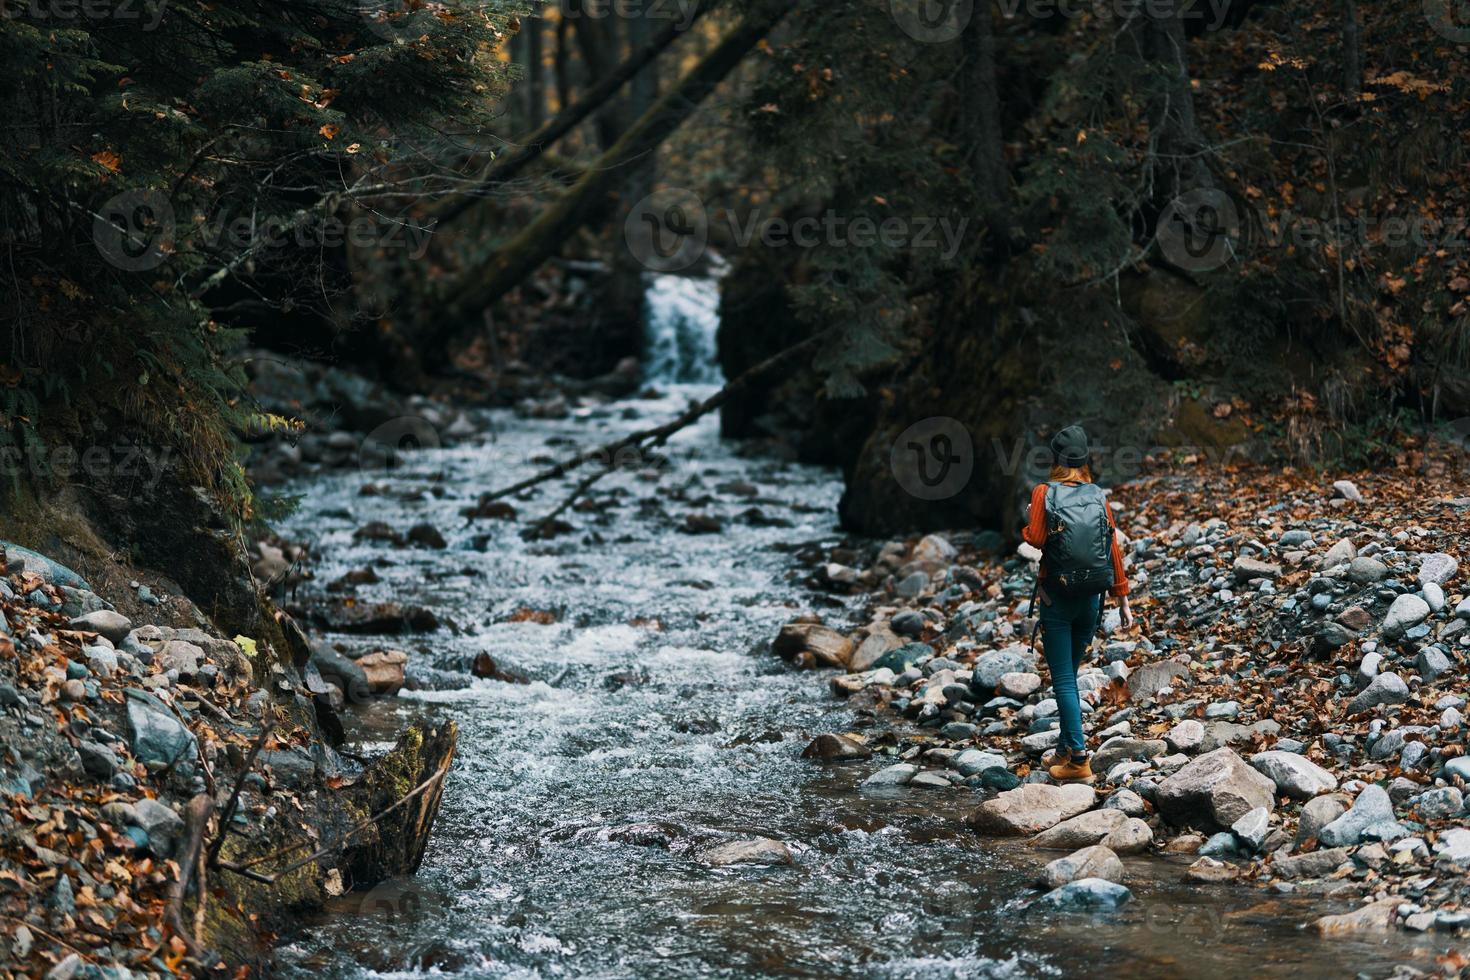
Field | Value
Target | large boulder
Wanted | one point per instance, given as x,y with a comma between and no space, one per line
1031,808
1294,775
1213,791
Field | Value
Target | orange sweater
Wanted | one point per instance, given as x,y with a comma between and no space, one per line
1034,534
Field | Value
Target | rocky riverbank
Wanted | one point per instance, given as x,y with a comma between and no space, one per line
1288,712
171,801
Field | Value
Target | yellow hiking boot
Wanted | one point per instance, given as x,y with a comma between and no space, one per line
1071,769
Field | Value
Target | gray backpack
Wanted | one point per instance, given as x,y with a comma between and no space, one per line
1079,540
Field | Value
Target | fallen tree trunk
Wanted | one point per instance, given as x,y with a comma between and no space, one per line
609,452
511,163
544,236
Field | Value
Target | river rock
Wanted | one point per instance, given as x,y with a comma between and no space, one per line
1406,612
894,775
1018,684
1438,568
104,622
1126,801
1294,775
873,647
161,823
1087,894
1251,829
1211,872
1089,862
1083,830
1366,571
836,748
935,548
972,762
1153,677
384,670
1318,813
1312,864
98,761
1249,568
1031,808
1187,736
1133,837
1371,816
1385,688
1125,748
1213,791
991,666
1375,917
158,739
1340,554
755,850
829,647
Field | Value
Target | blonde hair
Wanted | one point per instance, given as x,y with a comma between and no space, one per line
1071,474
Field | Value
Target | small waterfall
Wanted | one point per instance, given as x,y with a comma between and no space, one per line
680,317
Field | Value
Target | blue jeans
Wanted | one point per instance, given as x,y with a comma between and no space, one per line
1067,626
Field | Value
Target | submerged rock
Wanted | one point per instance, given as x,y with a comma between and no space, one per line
755,850
1087,894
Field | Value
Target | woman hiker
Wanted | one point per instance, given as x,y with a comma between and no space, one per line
1070,521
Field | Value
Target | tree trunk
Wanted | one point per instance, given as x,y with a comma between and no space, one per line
597,41
563,74
1171,115
980,121
1352,66
535,83
532,147
544,236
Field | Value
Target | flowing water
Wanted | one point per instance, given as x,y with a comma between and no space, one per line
655,722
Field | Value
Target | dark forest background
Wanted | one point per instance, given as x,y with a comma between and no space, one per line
1233,224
